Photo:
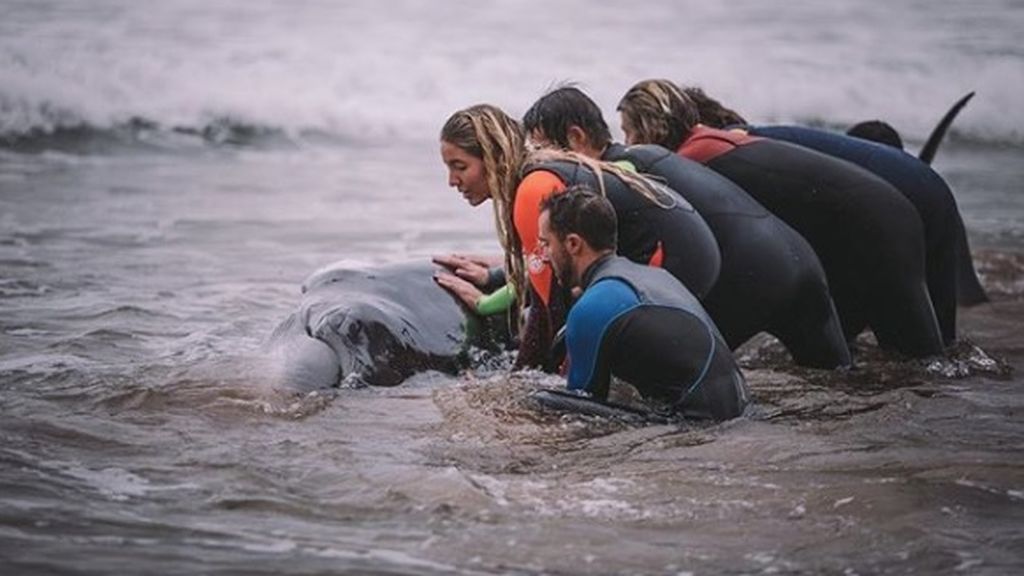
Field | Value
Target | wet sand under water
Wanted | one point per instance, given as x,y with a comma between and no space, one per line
894,466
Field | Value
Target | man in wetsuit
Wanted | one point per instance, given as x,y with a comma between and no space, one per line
770,278
635,322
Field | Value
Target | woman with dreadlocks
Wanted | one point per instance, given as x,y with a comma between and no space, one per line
868,237
487,158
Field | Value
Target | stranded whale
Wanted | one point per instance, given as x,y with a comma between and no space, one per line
377,326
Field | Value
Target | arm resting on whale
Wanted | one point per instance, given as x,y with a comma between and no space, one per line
484,272
496,302
483,304
496,279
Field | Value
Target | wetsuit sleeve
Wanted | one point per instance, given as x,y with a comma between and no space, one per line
537,186
496,302
589,320
495,279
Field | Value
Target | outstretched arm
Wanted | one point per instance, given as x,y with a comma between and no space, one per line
462,289
482,271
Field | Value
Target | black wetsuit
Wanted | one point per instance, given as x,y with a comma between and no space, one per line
770,280
675,238
868,237
640,324
944,234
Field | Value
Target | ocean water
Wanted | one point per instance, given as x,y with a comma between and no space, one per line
171,172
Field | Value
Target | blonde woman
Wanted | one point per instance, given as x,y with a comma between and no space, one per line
868,237
487,159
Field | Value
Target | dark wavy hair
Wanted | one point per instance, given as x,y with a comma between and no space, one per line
566,106
712,113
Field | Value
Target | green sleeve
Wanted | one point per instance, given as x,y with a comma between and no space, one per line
496,302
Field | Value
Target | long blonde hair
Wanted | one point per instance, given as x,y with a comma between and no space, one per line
660,113
486,132
652,190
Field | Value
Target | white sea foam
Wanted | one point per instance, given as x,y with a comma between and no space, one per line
114,483
356,70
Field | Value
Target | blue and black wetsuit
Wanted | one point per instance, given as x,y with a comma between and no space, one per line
947,254
641,325
770,279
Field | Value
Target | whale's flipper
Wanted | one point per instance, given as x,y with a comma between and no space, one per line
565,401
939,132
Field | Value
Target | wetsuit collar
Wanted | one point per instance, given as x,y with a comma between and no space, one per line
613,147
697,130
595,266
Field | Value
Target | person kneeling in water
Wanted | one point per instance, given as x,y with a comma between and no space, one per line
635,322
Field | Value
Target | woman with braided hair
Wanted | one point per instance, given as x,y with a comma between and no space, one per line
486,155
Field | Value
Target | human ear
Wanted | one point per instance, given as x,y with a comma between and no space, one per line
577,138
573,244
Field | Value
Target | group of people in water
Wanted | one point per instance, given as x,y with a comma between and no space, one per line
652,260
